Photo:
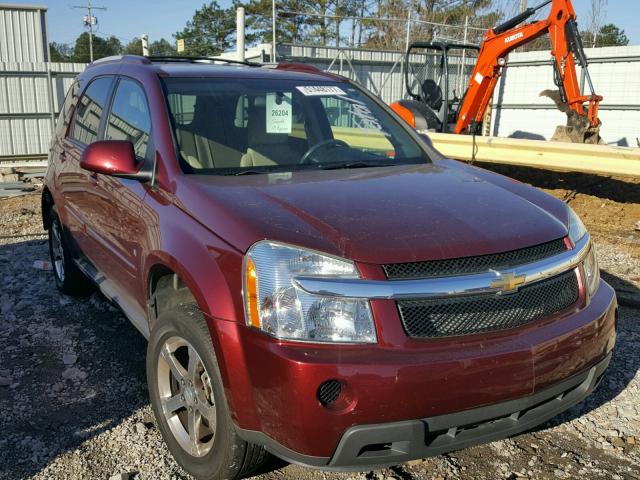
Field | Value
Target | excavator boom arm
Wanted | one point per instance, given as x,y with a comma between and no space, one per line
566,47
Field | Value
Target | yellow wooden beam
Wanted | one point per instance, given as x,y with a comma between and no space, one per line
568,157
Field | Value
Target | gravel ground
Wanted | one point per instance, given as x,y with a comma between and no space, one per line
73,398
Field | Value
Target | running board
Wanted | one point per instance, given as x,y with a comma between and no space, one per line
132,311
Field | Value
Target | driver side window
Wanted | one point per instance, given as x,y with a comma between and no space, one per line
129,118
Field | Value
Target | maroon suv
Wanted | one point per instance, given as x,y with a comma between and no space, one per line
315,280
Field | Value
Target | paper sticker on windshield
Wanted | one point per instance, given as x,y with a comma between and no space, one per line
317,90
279,114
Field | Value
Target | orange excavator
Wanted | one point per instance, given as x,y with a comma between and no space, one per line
430,109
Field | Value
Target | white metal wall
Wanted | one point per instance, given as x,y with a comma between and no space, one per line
377,71
520,112
29,93
27,96
23,33
381,72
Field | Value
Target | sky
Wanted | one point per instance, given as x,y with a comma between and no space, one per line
127,19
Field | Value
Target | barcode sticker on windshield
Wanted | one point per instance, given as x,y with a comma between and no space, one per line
279,115
318,90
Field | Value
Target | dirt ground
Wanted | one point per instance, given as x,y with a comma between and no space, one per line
609,206
74,404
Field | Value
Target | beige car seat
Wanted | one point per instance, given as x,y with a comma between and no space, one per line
205,142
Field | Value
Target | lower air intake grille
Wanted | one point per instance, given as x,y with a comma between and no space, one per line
448,317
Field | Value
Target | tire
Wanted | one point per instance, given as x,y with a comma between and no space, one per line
217,453
69,278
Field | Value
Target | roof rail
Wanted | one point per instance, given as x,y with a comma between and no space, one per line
305,68
121,59
298,67
177,58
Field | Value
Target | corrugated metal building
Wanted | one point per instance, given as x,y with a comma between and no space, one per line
520,112
23,33
31,95
31,89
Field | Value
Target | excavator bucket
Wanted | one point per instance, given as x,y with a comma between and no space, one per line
578,128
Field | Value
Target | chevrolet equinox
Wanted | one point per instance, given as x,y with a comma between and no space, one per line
314,279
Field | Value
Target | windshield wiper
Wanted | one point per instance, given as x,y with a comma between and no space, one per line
247,172
358,164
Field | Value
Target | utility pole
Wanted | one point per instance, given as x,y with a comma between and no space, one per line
89,21
273,31
523,5
144,39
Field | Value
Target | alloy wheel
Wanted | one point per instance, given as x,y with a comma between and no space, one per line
186,396
57,251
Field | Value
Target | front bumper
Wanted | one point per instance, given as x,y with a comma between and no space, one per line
379,445
399,442
409,399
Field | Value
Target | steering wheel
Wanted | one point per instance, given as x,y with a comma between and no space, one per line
332,142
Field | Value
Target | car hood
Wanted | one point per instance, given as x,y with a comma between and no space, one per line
377,215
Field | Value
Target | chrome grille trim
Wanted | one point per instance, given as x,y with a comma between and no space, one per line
473,284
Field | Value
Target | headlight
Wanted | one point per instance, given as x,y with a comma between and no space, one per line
274,305
591,271
577,231
576,227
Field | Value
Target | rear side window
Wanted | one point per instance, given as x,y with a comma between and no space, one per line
129,118
89,111
63,115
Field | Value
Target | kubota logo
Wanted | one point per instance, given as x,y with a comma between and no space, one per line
513,37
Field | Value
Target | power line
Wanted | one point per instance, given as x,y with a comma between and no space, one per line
89,21
284,13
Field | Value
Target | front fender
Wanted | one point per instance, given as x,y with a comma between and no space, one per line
212,270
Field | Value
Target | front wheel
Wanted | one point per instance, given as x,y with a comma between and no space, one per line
189,402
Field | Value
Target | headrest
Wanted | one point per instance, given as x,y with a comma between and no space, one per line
205,109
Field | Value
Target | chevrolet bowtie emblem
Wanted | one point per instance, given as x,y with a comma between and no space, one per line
508,282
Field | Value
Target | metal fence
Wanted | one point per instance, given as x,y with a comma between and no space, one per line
31,94
518,110
378,71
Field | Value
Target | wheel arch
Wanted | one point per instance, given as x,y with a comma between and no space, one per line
168,279
164,271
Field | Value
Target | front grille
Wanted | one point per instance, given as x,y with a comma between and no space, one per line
448,317
467,265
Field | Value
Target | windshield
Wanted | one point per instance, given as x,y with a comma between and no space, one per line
256,125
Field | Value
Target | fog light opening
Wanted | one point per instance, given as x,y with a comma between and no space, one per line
329,392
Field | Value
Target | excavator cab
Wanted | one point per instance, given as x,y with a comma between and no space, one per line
436,77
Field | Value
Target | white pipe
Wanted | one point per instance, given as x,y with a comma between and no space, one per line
144,38
240,33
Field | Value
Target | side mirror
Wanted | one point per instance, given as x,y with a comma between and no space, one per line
116,158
